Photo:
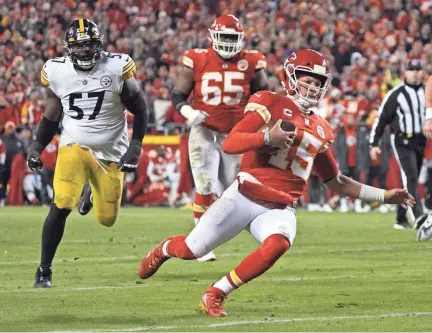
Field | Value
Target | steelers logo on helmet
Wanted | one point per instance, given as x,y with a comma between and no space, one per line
84,43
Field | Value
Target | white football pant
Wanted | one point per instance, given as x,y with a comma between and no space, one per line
232,213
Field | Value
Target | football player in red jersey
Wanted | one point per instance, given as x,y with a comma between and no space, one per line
221,79
262,198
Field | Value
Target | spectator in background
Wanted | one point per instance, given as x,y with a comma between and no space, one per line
12,146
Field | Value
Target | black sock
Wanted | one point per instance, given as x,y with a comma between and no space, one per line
52,233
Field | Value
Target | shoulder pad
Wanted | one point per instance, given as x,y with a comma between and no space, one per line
190,57
49,68
260,102
257,58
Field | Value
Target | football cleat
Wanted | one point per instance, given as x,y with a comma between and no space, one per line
212,302
420,220
425,230
154,260
208,257
86,201
401,225
43,278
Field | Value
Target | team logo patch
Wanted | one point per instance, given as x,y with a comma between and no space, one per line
320,132
287,112
105,81
243,65
224,66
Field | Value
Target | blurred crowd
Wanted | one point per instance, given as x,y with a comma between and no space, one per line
366,43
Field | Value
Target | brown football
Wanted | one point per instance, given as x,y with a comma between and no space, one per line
285,125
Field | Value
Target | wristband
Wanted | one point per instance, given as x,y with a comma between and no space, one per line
370,193
267,139
428,113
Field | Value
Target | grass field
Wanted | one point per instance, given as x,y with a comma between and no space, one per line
345,272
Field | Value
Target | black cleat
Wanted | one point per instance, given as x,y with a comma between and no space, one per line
86,201
43,278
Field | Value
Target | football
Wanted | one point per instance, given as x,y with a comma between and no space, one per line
285,125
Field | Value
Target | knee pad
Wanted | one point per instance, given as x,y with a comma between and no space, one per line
274,247
66,195
203,183
106,220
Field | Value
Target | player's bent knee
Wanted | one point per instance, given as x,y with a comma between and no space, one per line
274,247
106,220
65,201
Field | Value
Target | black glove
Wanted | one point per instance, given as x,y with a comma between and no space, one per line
129,161
34,161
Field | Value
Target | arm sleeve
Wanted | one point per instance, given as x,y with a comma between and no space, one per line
245,136
386,113
325,166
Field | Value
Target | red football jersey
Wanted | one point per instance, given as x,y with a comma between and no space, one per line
289,169
49,155
222,87
2,153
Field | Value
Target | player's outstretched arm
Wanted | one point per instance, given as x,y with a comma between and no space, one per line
348,187
133,99
46,130
326,168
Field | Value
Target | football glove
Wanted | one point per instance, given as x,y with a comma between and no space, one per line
34,161
195,117
129,161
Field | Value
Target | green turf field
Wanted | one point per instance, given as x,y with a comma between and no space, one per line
344,273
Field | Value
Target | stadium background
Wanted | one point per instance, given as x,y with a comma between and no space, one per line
366,43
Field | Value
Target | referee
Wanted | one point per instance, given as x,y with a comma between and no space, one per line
403,108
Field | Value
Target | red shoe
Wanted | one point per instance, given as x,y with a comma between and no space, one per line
154,260
212,302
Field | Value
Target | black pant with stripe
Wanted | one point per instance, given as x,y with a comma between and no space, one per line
409,154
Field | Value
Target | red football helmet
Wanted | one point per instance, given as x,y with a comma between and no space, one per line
306,62
227,36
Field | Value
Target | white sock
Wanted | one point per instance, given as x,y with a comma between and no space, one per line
165,250
224,285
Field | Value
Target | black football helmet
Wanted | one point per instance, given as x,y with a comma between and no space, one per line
84,42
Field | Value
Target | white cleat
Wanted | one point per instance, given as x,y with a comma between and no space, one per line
327,208
343,205
383,209
208,257
313,207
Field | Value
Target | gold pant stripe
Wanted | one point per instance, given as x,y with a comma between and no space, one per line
235,278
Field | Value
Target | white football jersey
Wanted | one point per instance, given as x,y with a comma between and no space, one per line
93,114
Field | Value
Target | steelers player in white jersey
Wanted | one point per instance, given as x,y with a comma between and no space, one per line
88,91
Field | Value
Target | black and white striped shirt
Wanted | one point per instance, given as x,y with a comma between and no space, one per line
404,109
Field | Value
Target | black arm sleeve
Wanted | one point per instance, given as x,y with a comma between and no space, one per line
178,99
386,112
133,99
259,82
45,133
137,106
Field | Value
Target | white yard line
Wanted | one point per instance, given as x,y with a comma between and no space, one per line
255,322
202,282
223,254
